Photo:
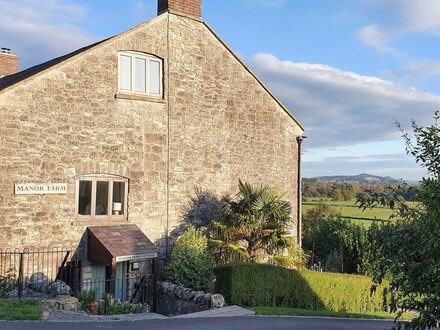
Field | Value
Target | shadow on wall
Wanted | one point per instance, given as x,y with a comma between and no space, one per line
201,208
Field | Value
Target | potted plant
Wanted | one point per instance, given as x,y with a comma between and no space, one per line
89,301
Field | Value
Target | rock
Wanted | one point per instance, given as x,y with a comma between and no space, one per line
58,288
180,292
203,299
188,294
217,301
62,302
145,308
38,282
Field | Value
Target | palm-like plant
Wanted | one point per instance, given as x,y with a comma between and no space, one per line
255,227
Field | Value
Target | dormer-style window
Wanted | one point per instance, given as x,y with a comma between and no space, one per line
140,73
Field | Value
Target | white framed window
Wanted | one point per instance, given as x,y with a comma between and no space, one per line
140,73
101,197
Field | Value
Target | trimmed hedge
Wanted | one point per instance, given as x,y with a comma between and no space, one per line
250,284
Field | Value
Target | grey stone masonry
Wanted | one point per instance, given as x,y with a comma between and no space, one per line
214,124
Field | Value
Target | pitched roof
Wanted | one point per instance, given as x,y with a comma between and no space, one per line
22,75
8,81
108,242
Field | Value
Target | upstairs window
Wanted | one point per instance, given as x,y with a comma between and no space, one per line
102,198
140,73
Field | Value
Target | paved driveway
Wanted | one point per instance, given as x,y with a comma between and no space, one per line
217,323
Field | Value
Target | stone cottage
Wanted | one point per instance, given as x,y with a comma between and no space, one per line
122,132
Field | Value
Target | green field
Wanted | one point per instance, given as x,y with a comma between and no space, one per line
351,211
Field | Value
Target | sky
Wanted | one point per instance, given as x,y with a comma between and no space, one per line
346,69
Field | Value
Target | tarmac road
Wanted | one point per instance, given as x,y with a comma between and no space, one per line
213,323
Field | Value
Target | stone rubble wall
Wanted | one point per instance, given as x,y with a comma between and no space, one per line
67,122
176,300
215,124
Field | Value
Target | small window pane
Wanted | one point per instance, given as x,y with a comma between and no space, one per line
101,198
125,72
85,197
140,67
154,77
118,198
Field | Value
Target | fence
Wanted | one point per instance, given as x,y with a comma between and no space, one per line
36,267
58,271
127,288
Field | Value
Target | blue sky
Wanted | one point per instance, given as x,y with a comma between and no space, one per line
345,68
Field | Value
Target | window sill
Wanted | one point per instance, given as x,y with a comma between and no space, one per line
139,97
98,222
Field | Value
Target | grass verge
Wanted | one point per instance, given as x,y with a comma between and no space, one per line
302,312
20,310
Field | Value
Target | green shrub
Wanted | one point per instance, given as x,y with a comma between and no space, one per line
8,283
118,309
340,246
86,298
265,285
192,262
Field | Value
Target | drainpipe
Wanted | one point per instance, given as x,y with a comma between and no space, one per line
299,140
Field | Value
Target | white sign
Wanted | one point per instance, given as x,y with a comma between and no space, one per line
40,189
136,257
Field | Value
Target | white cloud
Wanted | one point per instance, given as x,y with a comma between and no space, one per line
395,19
422,68
406,16
41,30
343,108
373,37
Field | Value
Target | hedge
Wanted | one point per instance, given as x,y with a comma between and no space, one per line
253,284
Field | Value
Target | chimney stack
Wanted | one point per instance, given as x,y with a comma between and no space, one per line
9,63
187,7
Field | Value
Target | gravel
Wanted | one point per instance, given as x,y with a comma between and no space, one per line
58,315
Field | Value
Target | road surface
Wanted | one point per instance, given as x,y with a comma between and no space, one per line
215,323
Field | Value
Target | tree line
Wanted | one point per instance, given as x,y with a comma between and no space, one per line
349,191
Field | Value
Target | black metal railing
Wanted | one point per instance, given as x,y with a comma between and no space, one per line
34,272
127,288
38,270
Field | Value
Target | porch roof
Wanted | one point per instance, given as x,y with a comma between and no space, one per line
110,244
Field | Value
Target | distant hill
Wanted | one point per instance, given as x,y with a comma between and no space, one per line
361,178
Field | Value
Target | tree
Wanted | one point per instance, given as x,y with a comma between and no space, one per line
337,195
410,250
255,227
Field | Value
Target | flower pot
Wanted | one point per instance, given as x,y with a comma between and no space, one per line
93,308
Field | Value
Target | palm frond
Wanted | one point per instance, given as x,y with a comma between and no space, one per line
228,252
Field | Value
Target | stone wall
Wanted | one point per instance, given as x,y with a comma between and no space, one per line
176,300
224,125
215,124
66,122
